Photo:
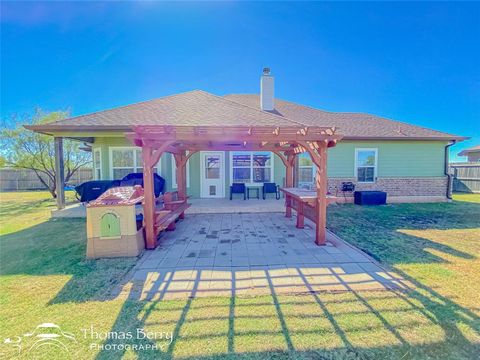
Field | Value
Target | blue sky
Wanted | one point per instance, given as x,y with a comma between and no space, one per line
414,62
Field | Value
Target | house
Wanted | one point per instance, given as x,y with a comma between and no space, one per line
472,153
407,161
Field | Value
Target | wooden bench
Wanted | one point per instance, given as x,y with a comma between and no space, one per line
173,209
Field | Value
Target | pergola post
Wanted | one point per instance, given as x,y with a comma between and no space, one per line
295,172
181,164
150,158
318,154
289,177
149,199
59,172
321,184
289,162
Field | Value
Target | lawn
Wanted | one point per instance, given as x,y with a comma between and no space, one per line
44,278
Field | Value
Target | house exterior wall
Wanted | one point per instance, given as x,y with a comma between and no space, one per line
404,168
395,158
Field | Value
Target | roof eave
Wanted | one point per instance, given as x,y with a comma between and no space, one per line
58,128
52,129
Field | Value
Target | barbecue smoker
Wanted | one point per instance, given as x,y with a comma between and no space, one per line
114,223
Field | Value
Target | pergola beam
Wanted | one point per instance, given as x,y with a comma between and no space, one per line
231,137
235,133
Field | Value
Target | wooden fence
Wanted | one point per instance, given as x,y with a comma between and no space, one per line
15,179
466,177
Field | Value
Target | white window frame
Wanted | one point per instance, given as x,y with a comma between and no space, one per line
357,150
135,165
97,152
174,173
313,168
252,183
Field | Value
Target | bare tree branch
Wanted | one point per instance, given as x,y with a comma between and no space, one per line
24,149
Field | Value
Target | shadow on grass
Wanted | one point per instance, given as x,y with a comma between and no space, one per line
383,324
377,230
58,247
18,206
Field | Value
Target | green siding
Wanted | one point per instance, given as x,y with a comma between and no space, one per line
395,159
278,170
227,173
194,161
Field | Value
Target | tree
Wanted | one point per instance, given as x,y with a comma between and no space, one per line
25,149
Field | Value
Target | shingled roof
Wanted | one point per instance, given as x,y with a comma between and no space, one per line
466,151
200,108
350,125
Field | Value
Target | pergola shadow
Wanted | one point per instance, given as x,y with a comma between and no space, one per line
279,317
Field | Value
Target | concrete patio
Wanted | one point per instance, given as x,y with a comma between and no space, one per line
250,254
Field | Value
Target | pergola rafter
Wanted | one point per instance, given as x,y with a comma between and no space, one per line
285,142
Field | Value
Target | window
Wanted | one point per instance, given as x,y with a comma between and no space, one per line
212,167
306,170
97,164
174,173
366,165
251,167
126,160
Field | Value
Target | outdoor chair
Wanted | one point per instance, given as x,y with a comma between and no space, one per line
238,188
271,188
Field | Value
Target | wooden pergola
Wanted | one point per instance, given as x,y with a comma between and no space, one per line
184,141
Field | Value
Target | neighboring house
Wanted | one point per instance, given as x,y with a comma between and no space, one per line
472,154
406,161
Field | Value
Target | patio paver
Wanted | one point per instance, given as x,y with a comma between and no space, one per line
250,254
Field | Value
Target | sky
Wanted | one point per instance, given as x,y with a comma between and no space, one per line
414,62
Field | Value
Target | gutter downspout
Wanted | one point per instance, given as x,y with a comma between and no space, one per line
449,176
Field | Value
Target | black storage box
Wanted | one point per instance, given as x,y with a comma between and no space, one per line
370,197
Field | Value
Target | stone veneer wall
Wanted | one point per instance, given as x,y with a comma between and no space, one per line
397,186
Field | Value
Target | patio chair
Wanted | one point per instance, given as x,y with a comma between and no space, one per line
238,188
271,188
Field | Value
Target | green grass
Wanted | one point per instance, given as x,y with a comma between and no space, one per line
44,278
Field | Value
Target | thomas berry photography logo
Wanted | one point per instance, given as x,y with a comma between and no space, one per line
45,340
